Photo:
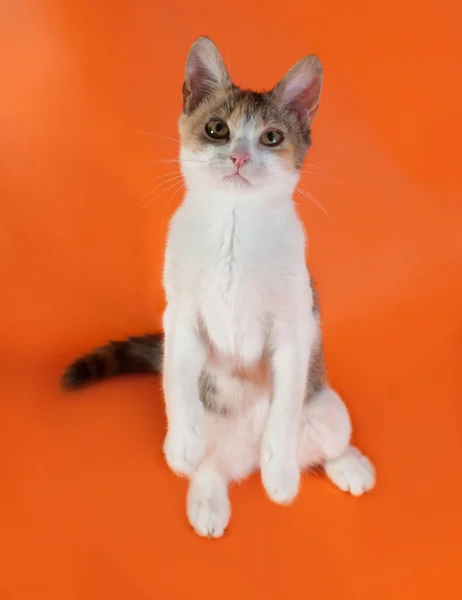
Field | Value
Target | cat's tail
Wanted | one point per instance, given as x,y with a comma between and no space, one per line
142,354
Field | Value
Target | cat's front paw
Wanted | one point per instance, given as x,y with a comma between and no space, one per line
280,475
209,511
184,448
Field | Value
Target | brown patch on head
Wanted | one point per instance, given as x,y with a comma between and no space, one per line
192,123
237,107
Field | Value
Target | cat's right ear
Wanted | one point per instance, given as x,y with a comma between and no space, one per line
205,73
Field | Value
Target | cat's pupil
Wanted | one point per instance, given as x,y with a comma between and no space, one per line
218,127
271,136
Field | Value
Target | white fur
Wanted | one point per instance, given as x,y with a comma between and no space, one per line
351,472
239,306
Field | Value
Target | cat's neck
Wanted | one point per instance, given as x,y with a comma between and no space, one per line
211,198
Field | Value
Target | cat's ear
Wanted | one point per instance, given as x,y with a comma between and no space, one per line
205,73
300,90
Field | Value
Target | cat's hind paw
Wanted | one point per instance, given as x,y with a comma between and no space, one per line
351,472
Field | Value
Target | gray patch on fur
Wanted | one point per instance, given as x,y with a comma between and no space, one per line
208,390
315,294
316,372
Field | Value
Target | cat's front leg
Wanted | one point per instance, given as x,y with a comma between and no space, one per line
184,357
280,468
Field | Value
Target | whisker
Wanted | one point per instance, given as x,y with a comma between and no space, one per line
170,200
164,175
315,201
331,219
175,183
341,183
303,224
173,173
138,162
148,166
307,194
149,163
175,177
313,167
160,135
162,161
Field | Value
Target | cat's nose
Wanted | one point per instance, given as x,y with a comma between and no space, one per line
239,158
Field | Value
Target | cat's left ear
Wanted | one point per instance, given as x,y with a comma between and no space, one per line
300,90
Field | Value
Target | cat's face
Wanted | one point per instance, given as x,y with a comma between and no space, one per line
242,140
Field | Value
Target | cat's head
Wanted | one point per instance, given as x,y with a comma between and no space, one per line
243,140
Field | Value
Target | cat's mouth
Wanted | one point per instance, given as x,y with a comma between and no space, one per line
237,178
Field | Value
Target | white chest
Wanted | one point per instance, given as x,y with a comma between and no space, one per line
232,302
233,267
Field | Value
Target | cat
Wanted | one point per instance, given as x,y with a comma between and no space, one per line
241,356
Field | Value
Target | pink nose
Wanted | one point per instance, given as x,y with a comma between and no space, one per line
239,158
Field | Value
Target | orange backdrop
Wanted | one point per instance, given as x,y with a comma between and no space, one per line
88,508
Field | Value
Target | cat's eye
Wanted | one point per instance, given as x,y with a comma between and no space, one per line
217,129
271,138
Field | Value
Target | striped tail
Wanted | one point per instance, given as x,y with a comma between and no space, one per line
142,354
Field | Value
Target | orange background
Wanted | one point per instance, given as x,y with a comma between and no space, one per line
88,508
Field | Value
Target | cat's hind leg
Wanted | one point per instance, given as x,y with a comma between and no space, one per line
325,441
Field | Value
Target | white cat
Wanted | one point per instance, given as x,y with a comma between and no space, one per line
243,369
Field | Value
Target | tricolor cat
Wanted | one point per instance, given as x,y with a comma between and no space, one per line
241,357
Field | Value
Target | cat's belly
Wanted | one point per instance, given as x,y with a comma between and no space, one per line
235,327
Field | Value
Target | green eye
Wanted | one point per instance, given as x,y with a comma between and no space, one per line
271,138
217,130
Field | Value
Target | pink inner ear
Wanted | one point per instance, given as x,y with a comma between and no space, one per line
303,92
205,71
199,81
301,89
198,76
